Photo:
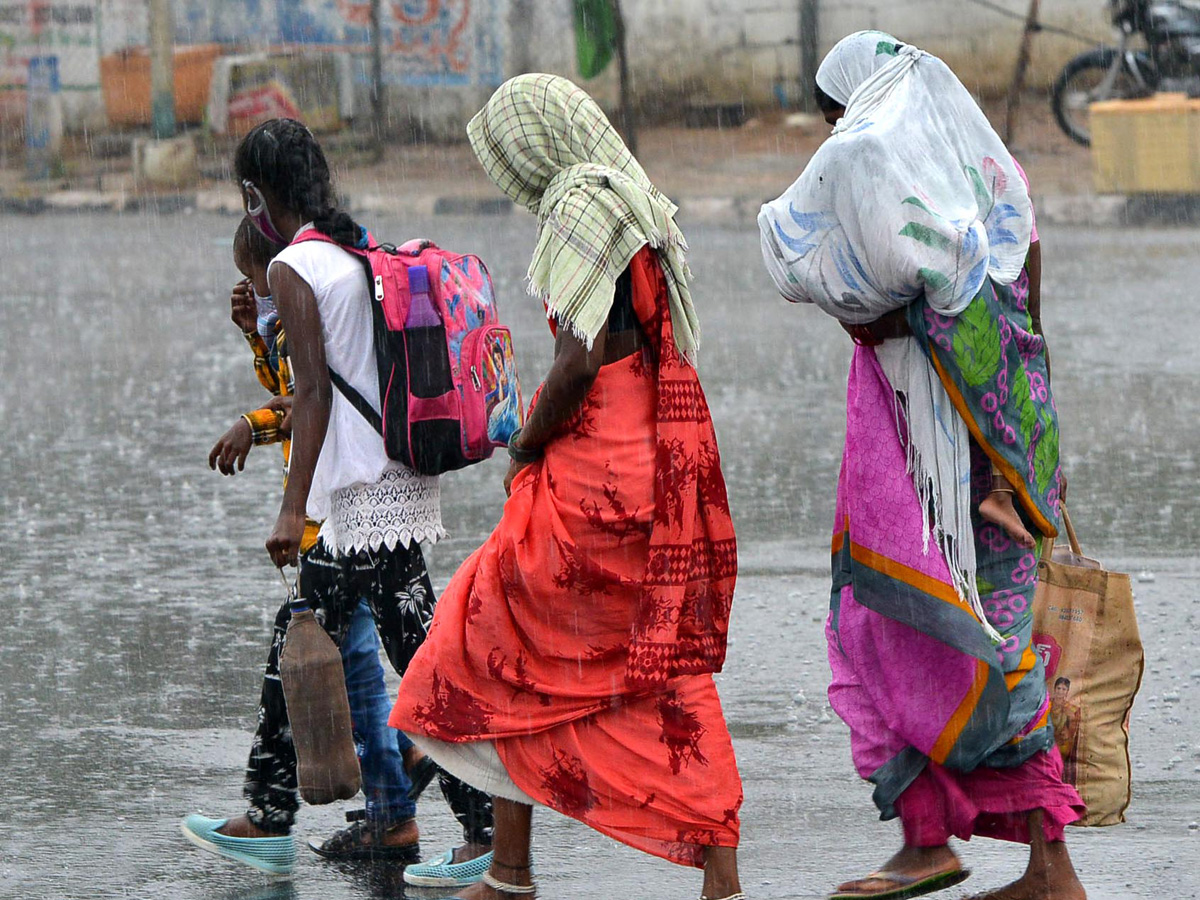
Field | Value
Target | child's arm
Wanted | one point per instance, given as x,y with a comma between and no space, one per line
267,376
268,425
244,315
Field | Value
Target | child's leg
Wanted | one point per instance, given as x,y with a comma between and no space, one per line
998,508
385,781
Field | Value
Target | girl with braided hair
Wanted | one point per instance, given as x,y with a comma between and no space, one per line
375,511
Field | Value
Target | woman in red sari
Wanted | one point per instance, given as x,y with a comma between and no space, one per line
570,660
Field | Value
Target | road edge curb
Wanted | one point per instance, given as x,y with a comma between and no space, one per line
1095,210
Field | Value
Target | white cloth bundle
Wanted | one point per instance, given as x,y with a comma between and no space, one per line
914,192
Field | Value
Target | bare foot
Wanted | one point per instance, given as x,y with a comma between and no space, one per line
401,834
521,877
1049,875
1028,888
997,508
915,862
242,827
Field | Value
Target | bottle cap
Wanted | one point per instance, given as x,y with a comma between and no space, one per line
418,279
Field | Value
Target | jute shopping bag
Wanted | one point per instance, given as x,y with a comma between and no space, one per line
1086,633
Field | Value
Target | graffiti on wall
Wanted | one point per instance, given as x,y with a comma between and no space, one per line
434,42
437,43
430,36
426,42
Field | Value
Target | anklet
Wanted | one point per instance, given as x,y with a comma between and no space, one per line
738,896
998,477
504,888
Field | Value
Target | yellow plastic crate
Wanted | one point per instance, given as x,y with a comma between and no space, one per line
1149,146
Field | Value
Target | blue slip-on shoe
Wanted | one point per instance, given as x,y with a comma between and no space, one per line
443,871
273,855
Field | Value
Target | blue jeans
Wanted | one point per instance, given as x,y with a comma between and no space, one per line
385,783
348,594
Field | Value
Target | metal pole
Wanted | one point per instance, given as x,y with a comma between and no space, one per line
628,126
162,69
1018,80
810,49
520,45
378,95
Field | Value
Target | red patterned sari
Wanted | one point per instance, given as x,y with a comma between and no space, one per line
581,638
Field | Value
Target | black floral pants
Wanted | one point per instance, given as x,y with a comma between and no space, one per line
396,586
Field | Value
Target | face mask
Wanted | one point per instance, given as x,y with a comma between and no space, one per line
256,209
265,305
268,317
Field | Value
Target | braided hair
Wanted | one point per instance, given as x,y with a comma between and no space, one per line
282,156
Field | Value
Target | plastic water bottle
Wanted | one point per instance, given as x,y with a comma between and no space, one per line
421,311
430,376
314,687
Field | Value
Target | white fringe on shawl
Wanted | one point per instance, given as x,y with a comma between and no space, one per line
575,274
939,460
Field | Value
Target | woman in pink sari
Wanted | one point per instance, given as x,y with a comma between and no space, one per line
948,409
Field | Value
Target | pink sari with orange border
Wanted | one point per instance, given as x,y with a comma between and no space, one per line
952,729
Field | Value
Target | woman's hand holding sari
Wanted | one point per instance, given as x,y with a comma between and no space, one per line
889,325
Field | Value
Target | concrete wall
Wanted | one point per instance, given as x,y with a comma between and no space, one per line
978,43
750,47
727,50
445,56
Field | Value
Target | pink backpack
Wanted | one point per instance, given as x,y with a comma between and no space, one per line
448,385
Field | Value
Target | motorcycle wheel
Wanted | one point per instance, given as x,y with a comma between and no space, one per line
1075,90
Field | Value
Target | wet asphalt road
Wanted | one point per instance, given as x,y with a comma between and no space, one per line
137,597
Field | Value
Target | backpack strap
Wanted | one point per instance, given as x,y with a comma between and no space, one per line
311,234
357,400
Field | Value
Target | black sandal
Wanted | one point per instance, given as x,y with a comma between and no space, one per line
364,840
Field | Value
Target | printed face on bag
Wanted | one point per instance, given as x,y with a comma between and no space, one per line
1048,649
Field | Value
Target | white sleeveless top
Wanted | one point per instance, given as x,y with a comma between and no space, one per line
364,499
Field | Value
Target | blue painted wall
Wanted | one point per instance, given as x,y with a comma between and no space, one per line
427,42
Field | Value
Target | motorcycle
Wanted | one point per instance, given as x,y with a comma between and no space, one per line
1170,61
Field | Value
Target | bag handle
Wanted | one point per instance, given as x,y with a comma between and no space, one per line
1072,537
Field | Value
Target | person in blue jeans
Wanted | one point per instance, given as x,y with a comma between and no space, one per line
387,828
386,756
389,759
